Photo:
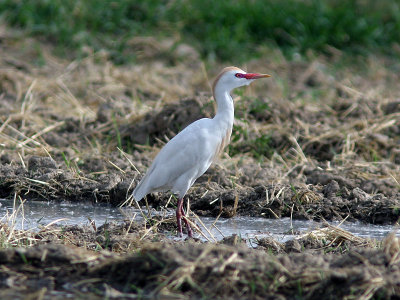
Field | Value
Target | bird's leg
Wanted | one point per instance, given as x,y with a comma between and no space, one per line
189,229
179,210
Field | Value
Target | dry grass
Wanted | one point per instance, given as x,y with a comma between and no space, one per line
333,238
209,270
317,116
41,100
317,113
342,120
10,236
221,271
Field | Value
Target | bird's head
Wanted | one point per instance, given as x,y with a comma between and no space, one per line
233,77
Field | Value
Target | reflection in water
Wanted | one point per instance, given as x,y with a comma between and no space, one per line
34,214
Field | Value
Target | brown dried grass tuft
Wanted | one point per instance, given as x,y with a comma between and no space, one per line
335,238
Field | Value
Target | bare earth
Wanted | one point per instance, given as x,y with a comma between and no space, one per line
320,140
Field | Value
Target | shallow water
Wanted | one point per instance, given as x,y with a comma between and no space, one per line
35,214
280,229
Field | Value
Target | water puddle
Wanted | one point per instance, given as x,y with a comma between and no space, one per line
33,215
281,229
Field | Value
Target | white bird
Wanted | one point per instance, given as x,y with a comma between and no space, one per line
190,153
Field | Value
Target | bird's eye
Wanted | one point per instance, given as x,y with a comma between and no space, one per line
239,75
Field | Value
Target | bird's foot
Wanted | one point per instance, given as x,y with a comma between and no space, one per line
180,214
188,228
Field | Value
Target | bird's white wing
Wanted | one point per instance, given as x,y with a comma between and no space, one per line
182,160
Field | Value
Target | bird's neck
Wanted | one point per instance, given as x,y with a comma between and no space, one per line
225,108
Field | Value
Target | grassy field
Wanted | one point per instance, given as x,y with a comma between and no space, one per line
91,91
224,30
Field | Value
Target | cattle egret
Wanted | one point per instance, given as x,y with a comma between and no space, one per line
190,153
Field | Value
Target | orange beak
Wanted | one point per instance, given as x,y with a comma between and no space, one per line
255,76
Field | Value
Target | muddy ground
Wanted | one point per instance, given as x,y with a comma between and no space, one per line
318,141
119,261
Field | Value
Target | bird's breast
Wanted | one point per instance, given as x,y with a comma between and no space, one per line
224,142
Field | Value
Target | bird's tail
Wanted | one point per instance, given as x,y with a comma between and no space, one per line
140,191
